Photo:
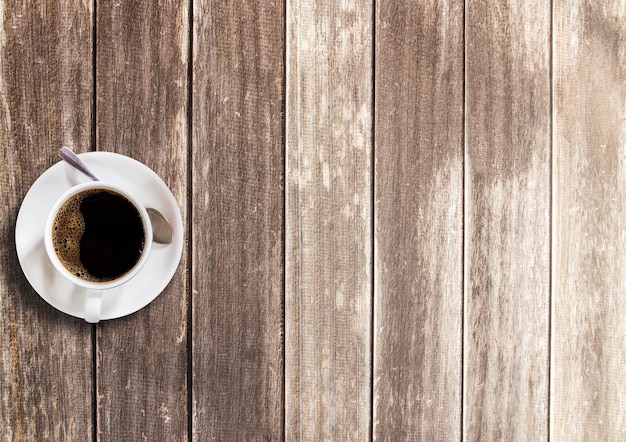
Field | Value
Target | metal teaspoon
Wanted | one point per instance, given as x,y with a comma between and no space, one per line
162,231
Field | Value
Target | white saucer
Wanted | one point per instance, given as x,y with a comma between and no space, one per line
142,182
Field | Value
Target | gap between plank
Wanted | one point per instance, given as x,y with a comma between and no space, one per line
189,276
551,219
284,226
373,224
463,205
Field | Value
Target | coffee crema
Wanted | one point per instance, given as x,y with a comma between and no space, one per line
98,235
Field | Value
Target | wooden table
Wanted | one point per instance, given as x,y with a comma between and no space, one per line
405,220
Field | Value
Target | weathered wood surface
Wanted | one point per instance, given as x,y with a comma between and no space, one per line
405,219
418,221
507,221
588,392
45,101
141,111
328,226
237,229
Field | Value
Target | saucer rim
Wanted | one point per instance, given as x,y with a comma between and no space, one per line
171,261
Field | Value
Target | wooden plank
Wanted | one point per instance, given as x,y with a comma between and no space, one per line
141,111
237,220
588,388
507,221
328,226
45,101
419,220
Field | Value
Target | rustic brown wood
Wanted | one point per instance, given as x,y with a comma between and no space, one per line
588,393
419,220
141,111
237,229
328,227
45,96
507,221
474,249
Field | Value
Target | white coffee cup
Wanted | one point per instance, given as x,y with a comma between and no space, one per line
94,290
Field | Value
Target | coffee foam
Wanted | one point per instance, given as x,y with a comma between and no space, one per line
68,229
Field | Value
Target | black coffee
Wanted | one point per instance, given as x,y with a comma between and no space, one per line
98,235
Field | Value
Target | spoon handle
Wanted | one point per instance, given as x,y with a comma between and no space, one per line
66,154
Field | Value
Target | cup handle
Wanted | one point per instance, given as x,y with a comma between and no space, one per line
93,306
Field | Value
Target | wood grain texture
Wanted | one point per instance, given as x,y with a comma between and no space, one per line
45,96
328,227
588,382
498,299
141,111
238,220
507,220
418,219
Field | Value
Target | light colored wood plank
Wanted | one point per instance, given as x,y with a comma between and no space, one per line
238,220
328,226
141,112
45,102
588,381
507,220
419,221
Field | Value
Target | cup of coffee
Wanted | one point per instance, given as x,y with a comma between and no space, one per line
98,236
